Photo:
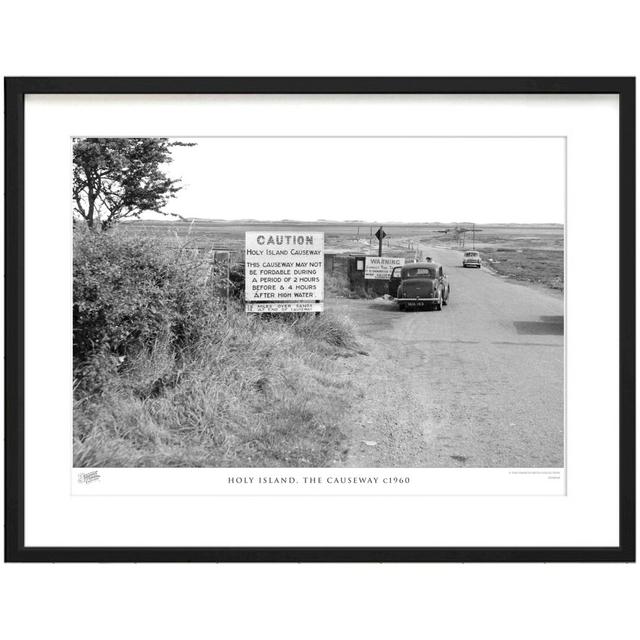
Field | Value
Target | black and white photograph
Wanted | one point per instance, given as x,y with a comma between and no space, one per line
321,320
319,301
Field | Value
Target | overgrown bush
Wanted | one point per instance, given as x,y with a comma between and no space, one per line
128,294
336,285
168,375
265,396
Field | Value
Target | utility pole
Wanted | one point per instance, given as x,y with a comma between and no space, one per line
474,235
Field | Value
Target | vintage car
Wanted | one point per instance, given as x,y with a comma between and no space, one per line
394,281
471,259
419,284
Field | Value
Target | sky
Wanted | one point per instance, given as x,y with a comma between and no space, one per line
482,180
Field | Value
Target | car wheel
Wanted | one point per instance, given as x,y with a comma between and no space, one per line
402,307
438,305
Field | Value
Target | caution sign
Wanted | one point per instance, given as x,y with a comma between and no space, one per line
284,271
380,268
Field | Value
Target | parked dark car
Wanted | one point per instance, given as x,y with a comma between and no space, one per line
421,284
394,281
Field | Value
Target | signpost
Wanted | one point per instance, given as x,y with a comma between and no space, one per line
284,271
379,268
380,234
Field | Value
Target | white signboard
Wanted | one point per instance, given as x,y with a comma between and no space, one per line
283,307
380,268
284,271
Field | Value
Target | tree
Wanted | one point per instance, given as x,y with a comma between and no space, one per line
115,178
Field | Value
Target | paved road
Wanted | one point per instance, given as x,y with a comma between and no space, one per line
477,384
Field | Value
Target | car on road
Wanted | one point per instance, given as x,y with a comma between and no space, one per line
421,284
471,259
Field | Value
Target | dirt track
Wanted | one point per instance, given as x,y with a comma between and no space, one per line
477,384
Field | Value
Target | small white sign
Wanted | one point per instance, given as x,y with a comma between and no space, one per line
380,267
284,271
284,307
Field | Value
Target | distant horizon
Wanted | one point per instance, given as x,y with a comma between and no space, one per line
174,220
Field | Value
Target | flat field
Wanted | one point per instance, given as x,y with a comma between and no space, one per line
529,253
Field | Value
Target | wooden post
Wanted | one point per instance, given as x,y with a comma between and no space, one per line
228,280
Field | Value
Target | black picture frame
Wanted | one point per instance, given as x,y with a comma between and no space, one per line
15,91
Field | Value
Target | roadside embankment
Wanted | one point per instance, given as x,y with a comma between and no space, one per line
166,373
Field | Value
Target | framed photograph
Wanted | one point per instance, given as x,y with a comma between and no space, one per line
320,319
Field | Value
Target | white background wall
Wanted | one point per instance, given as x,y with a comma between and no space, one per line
332,37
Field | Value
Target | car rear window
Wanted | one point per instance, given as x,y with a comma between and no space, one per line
471,254
419,272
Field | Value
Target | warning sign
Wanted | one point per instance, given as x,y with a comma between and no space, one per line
380,268
284,271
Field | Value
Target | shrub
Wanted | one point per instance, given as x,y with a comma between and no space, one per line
266,395
166,375
129,293
337,285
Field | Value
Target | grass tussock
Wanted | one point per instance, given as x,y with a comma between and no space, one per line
328,329
200,382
